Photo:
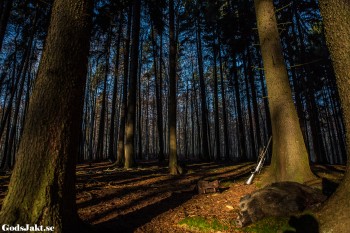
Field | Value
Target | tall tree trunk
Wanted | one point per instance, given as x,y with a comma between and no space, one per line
335,214
315,125
120,150
158,86
42,186
112,132
4,17
5,158
251,78
252,146
23,75
173,166
147,136
139,114
15,80
266,106
130,127
205,142
186,122
161,95
216,106
289,155
242,148
224,113
101,128
92,126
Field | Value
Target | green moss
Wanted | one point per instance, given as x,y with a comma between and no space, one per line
270,225
226,184
203,224
259,185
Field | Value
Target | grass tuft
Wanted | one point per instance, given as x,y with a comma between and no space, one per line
203,224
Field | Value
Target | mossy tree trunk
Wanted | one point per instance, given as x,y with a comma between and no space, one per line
289,155
334,216
42,186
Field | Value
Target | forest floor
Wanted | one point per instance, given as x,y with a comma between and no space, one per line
148,199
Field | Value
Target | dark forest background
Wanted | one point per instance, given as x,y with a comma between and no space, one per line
222,101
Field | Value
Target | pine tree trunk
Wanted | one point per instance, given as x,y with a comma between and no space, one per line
289,155
335,214
248,75
101,129
112,132
205,142
130,127
23,75
242,145
158,87
139,114
120,150
4,17
42,186
173,166
216,106
15,80
315,125
186,122
224,112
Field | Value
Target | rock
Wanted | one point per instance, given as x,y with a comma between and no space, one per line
277,199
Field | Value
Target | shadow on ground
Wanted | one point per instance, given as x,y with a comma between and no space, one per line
303,224
131,221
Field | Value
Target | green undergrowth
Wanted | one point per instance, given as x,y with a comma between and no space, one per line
304,222
267,225
226,183
270,225
202,224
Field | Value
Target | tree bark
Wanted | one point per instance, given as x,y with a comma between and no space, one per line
242,145
216,105
251,153
173,166
121,136
101,129
334,216
158,87
111,147
130,127
224,112
205,155
289,155
4,17
42,186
